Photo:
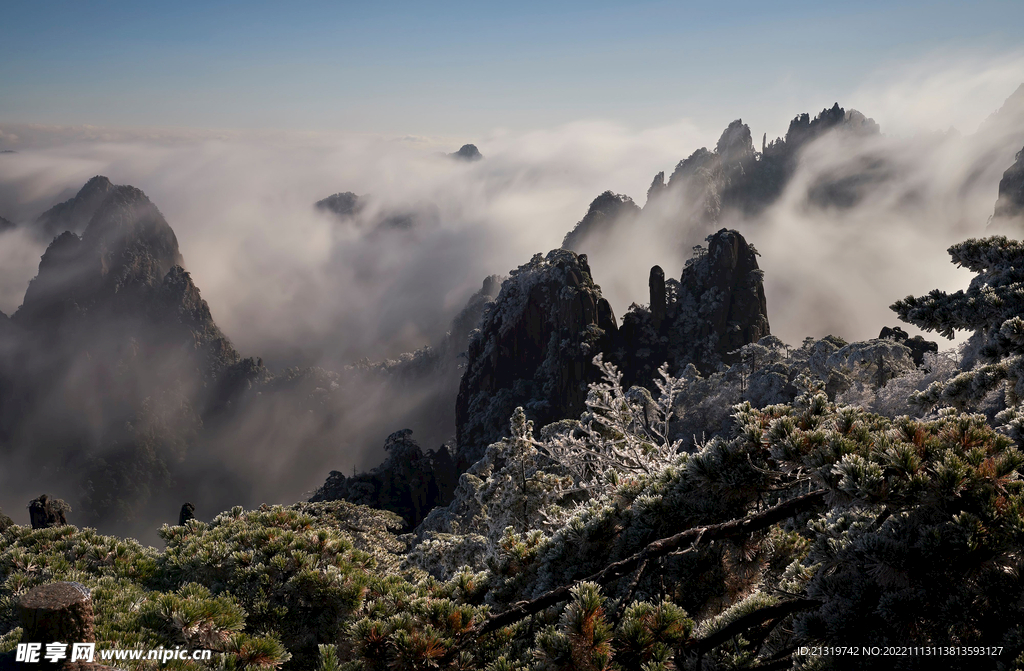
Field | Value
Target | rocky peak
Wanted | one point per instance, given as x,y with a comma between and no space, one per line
127,247
343,204
735,144
605,212
1010,204
656,188
702,158
534,349
468,152
716,307
75,213
724,287
133,240
803,129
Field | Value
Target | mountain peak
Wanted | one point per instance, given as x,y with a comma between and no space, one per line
601,216
468,152
343,204
127,245
74,214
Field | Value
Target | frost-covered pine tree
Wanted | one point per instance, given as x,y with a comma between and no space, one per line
991,307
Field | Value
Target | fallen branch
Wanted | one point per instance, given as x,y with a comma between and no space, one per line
658,548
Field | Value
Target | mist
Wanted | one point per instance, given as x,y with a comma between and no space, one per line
301,287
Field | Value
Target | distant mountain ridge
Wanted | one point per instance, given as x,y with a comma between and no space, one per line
732,176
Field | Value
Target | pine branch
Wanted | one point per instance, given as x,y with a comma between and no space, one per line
627,596
742,624
658,548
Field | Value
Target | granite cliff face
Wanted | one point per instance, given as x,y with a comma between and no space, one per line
534,349
723,287
1010,205
716,307
536,343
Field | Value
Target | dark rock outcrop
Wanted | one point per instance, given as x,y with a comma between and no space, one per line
5,522
918,346
188,512
113,360
45,512
348,208
124,253
606,211
75,213
724,289
659,304
1011,191
467,152
409,483
5,225
343,204
656,189
717,306
534,349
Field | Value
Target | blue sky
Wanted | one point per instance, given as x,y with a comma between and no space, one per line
464,68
